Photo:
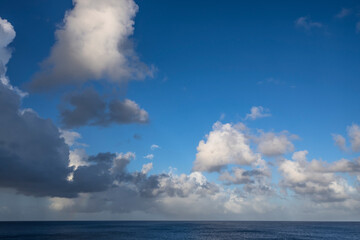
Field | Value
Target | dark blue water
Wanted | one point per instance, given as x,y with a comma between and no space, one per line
178,230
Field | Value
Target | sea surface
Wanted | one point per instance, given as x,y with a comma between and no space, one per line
110,230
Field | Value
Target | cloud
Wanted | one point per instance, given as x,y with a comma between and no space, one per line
307,23
70,137
7,35
154,147
89,108
225,144
149,156
316,179
257,112
343,13
340,141
354,137
34,158
271,144
93,44
146,168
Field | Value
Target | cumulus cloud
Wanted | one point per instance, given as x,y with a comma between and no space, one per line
307,23
34,157
316,179
257,112
225,144
93,44
89,108
271,144
7,35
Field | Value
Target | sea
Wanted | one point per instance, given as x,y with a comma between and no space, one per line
109,230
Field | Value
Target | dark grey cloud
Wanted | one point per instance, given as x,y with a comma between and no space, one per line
89,108
33,157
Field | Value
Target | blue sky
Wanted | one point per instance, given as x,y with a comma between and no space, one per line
299,62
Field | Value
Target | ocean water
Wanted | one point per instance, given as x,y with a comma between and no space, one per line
110,230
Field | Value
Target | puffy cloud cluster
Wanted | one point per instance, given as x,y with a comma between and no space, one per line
225,144
93,44
271,144
318,180
89,108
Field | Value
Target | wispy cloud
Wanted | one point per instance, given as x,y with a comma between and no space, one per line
306,23
343,13
149,156
154,147
257,112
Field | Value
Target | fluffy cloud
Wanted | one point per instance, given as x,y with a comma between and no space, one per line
225,144
93,44
89,108
7,35
316,179
307,23
257,112
271,144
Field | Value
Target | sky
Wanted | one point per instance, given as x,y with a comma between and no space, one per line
179,110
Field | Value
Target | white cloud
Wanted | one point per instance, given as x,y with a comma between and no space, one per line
7,35
354,135
257,112
154,146
94,44
225,144
307,23
272,144
146,168
78,157
70,137
316,179
149,156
